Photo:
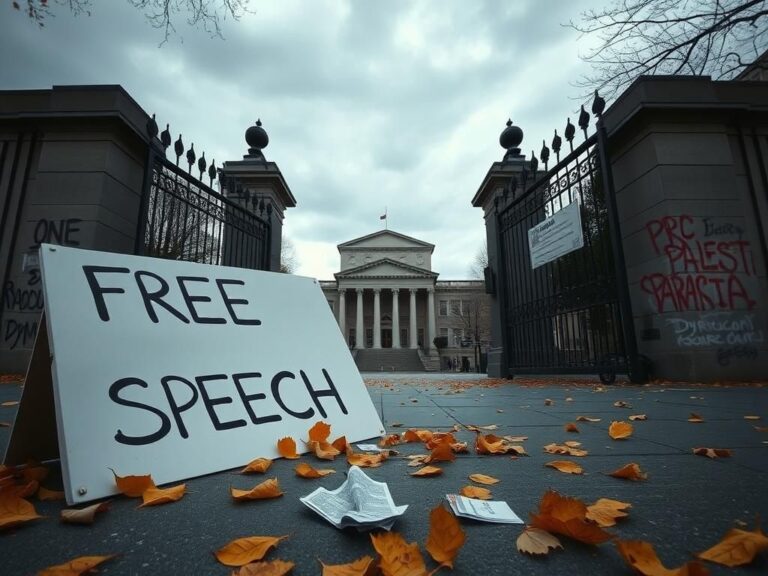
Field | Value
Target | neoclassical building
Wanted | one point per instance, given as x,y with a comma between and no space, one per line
391,307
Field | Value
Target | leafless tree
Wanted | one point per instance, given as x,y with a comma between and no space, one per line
705,37
161,14
479,263
289,262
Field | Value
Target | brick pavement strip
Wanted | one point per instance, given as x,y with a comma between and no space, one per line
687,504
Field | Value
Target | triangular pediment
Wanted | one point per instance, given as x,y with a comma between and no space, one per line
386,239
386,268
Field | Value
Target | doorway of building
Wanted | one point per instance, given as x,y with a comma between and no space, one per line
386,337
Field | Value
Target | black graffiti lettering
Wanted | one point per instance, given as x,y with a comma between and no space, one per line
16,299
60,232
19,333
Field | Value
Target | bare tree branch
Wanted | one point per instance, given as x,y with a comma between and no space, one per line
714,37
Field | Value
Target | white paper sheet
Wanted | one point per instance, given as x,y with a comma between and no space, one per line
483,510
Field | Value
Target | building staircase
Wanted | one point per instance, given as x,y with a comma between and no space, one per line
389,360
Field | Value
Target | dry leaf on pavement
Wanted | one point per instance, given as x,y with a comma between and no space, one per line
286,447
364,460
340,444
630,471
323,450
622,404
15,510
258,466
751,417
74,567
428,471
83,515
274,567
564,449
445,537
306,471
548,402
390,440
156,496
605,511
571,427
587,419
359,567
246,550
572,444
695,418
620,430
565,466
713,452
398,558
537,541
737,547
483,479
567,516
267,489
641,556
636,417
133,486
319,432
418,459
476,492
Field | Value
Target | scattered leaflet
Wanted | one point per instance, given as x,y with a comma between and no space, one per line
359,502
370,448
483,510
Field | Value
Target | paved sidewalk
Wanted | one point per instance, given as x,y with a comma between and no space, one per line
687,504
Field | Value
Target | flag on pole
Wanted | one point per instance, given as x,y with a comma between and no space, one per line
384,217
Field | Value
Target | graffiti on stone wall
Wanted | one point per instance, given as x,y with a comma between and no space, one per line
24,294
705,266
734,335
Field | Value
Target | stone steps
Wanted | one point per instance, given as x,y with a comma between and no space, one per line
389,360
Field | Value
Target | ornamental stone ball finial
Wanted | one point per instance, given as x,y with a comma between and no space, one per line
510,140
257,139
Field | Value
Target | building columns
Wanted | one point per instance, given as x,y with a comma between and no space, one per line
412,332
377,317
395,318
430,344
343,312
359,341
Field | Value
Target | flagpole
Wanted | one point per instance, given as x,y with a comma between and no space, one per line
386,222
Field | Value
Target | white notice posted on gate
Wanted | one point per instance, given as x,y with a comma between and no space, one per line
556,236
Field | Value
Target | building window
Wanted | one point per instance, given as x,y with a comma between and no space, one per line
443,311
458,336
420,337
352,338
466,307
404,338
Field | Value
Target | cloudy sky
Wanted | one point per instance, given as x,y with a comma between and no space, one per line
368,104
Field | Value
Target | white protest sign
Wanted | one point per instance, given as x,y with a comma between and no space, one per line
178,369
556,236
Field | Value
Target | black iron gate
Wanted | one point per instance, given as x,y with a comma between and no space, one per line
570,315
182,218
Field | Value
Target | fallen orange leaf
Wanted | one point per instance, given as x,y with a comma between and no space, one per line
412,435
156,496
571,427
695,418
630,471
319,432
476,492
74,567
286,447
641,556
460,447
38,473
439,438
547,402
10,403
737,547
622,404
428,471
605,511
340,444
565,466
246,550
751,417
258,466
442,453
418,459
266,568
587,419
483,479
564,449
365,460
445,537
620,430
398,558
567,516
133,486
267,489
537,541
390,440
83,515
713,452
323,450
44,494
15,510
636,417
357,568
572,444
306,471
20,490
